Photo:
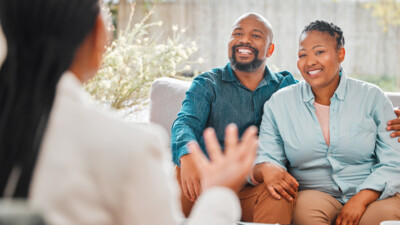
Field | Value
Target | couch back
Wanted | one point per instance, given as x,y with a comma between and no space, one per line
167,94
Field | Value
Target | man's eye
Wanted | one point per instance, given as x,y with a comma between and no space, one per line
302,56
256,36
237,34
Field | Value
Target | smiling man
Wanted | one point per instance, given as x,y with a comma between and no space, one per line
236,94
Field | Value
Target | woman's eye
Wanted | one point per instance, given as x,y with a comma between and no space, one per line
319,52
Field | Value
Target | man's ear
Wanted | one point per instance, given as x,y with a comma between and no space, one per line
271,49
342,53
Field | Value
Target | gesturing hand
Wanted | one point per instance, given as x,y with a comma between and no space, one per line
278,181
229,169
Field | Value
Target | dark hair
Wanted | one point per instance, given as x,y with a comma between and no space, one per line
330,28
42,37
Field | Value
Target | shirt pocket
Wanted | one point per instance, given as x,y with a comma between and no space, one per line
363,138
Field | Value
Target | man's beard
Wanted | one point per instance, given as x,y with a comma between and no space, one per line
245,67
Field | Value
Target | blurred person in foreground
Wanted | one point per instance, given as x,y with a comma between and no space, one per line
80,165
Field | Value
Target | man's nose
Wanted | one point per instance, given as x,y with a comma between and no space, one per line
246,39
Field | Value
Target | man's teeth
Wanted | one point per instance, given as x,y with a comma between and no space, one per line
245,51
313,72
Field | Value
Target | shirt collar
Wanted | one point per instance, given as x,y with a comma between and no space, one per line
340,92
228,75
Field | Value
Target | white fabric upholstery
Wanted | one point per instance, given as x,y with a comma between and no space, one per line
167,94
394,97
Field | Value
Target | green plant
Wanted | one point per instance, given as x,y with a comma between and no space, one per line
134,59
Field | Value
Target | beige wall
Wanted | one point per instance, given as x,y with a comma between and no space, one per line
368,49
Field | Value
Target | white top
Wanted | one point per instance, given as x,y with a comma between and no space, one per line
96,169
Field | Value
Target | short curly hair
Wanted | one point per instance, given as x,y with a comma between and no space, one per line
330,28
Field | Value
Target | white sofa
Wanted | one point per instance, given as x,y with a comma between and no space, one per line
167,94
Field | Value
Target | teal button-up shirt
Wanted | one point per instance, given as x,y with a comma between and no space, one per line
361,155
215,99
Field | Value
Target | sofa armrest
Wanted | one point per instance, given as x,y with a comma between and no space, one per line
166,97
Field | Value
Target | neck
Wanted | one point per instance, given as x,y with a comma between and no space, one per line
323,95
251,79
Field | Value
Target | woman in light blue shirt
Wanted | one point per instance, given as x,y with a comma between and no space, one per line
329,131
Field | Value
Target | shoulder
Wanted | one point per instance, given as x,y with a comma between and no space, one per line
95,130
212,75
285,78
364,89
285,96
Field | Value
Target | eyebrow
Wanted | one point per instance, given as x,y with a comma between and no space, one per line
254,30
311,48
317,46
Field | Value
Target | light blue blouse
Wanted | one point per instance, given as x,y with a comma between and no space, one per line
361,155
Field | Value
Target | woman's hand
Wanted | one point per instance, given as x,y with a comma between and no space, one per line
228,169
354,209
278,181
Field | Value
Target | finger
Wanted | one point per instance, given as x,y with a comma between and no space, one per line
338,220
248,139
397,111
357,221
191,191
231,137
185,191
395,134
292,192
212,145
392,122
283,192
291,181
200,160
273,192
197,188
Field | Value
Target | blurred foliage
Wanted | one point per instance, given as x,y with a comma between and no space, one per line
134,59
386,11
385,82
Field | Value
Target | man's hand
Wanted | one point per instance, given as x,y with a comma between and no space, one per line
278,181
353,210
229,169
394,125
190,178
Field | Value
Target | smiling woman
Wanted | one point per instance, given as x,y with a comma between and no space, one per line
339,150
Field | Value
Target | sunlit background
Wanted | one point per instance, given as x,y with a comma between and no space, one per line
182,38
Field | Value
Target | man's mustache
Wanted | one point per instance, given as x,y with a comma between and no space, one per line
243,45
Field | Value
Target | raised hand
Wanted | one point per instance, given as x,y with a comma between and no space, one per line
228,169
